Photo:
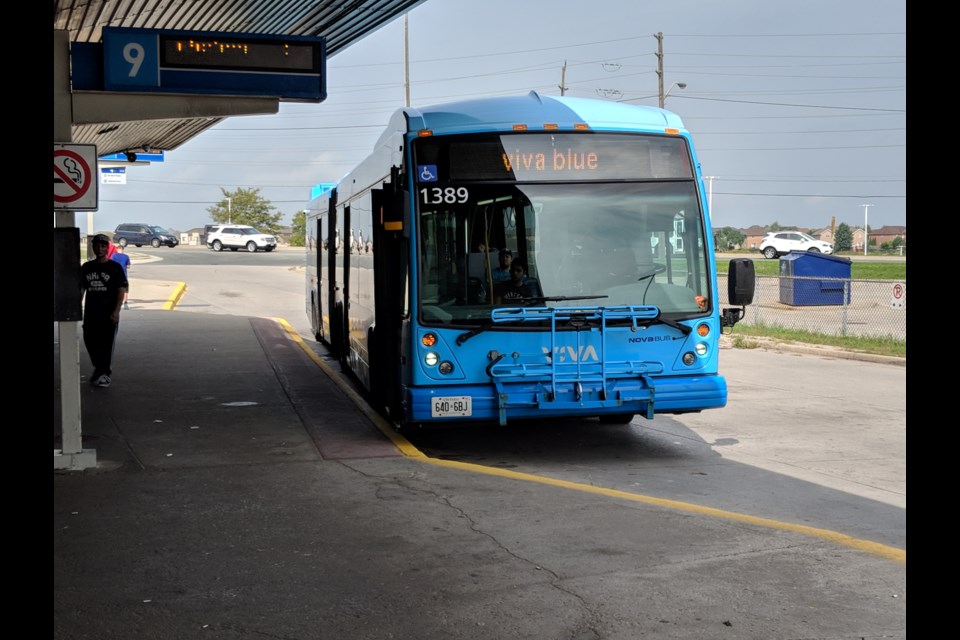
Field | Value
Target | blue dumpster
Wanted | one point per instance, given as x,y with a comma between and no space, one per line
808,278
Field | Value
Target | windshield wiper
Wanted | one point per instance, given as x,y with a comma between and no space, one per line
682,328
559,298
463,337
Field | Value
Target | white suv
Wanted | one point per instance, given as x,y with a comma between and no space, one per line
239,236
777,243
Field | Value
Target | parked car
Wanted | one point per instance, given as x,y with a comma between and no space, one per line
139,234
777,243
239,236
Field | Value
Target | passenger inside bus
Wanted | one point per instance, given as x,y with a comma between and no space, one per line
502,272
518,287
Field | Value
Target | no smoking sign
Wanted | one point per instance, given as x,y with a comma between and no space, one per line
75,177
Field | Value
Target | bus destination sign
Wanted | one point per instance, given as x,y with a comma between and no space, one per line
553,157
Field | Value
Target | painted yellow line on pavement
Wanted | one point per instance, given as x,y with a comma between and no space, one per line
410,451
401,443
885,551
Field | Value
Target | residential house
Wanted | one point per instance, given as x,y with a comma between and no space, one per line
822,234
888,233
753,237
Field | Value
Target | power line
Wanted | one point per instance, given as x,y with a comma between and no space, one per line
777,104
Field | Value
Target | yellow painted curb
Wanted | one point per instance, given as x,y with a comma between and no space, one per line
174,298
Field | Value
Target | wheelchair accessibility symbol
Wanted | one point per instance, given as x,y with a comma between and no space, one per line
428,172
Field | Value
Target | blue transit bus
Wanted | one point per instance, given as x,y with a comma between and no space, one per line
523,257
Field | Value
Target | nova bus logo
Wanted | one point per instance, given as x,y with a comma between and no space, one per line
572,354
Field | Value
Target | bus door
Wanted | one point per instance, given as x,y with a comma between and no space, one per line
342,309
316,241
332,307
390,259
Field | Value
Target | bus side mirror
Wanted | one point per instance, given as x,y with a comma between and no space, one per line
741,284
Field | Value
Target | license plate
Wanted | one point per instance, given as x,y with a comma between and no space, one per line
447,406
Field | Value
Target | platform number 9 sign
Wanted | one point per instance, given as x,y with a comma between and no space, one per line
131,59
133,53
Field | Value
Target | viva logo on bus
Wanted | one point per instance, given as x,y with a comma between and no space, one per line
558,160
565,353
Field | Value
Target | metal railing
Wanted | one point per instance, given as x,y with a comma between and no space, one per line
830,306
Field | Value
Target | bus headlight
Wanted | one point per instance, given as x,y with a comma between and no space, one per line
431,358
689,358
701,349
446,367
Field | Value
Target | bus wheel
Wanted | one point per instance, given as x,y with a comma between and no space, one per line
616,418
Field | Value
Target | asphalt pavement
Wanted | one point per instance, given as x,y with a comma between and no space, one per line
242,490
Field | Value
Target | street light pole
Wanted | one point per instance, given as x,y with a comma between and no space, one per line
866,207
663,96
229,218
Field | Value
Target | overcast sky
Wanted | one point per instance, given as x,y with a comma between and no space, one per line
798,110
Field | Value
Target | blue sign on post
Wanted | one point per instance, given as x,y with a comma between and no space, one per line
203,62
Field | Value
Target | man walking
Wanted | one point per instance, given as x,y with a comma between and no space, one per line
104,285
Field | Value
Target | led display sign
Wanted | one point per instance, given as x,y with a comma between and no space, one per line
552,157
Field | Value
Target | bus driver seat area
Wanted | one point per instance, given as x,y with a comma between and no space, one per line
644,258
621,266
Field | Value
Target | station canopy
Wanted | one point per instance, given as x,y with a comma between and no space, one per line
340,22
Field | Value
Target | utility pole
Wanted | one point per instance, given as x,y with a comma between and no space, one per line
866,207
406,61
563,78
659,37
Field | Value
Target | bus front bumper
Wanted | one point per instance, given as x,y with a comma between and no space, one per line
526,400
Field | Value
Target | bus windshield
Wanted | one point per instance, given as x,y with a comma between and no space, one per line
627,243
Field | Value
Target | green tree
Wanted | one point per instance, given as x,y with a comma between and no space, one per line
246,206
729,238
298,234
776,226
843,238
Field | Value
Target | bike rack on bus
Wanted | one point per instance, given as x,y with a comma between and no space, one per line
555,374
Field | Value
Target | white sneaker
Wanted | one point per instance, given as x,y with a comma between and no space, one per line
126,307
103,381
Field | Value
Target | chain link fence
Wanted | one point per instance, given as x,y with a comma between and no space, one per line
829,306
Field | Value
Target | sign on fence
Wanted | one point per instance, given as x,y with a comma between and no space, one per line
898,295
